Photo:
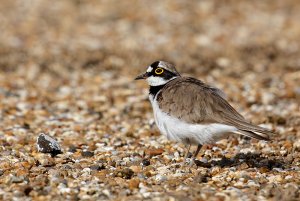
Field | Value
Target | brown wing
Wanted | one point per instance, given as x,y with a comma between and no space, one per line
195,102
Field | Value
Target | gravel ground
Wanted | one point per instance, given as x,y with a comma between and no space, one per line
67,70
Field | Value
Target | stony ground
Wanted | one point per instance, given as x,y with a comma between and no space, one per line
67,70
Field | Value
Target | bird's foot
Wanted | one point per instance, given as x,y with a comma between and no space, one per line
188,162
202,163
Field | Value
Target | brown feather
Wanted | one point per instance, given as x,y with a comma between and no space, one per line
195,102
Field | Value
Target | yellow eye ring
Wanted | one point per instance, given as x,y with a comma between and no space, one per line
159,71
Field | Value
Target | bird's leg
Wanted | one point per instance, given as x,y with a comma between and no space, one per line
187,151
188,147
197,151
196,154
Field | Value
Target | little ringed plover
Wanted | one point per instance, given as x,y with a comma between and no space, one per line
189,111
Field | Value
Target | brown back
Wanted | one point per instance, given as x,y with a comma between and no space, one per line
193,101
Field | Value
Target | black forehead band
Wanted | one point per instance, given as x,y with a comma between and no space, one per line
154,64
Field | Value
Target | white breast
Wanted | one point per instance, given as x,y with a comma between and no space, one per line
177,130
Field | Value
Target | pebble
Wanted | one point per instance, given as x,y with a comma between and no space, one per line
45,160
46,144
87,154
126,173
154,152
136,168
97,167
134,183
145,162
275,178
72,149
160,178
201,178
19,179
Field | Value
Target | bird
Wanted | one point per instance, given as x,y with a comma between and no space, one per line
191,112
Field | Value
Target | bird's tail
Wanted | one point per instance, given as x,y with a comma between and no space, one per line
256,135
253,131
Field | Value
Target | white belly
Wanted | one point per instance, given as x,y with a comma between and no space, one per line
180,131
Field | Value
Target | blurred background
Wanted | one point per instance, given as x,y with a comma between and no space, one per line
67,69
128,35
235,45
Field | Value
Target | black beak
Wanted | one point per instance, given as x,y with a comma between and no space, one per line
142,76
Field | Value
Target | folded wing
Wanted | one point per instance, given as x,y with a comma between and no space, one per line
195,102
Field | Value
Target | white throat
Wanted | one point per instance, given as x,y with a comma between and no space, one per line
157,81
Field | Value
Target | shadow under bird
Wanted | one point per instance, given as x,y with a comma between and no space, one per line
189,111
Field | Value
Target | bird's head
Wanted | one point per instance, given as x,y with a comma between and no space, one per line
159,73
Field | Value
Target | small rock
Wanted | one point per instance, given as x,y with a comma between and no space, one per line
215,170
154,152
203,160
290,191
126,173
46,144
134,183
243,166
160,178
19,179
72,149
275,178
27,190
136,168
87,154
45,160
201,178
141,176
252,183
145,162
97,167
5,165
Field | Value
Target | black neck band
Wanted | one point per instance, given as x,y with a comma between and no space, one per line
155,89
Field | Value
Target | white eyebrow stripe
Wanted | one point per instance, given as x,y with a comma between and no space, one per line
149,69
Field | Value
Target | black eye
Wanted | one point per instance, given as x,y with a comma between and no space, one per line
159,71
